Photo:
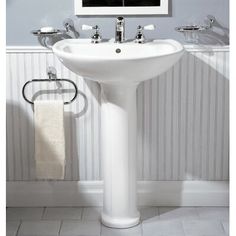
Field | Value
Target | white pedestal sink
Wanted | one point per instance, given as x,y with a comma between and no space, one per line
119,68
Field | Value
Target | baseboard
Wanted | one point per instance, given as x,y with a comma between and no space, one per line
89,193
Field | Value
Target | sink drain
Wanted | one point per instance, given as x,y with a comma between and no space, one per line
118,50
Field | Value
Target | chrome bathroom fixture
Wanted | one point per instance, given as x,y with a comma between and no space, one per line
96,37
120,30
46,35
191,31
52,77
69,25
140,38
48,31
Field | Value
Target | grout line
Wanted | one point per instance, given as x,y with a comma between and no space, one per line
198,214
222,226
18,229
157,211
183,227
196,211
43,214
59,232
100,227
82,213
141,227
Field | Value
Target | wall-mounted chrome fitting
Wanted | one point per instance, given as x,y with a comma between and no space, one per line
70,27
48,35
52,77
191,31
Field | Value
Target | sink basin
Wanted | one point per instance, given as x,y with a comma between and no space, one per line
109,61
119,68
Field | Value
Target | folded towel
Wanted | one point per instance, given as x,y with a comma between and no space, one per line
49,139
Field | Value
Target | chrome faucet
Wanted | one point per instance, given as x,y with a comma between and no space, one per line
120,30
140,38
96,37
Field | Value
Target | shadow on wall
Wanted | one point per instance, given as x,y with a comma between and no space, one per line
183,126
183,121
8,2
20,159
20,138
217,35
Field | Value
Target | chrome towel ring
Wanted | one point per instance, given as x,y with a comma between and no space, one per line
52,77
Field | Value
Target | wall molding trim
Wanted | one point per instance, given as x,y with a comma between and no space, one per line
25,49
89,193
188,47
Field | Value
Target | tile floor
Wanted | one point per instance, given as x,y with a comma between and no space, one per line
156,221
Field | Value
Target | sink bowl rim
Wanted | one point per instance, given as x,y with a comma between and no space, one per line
61,53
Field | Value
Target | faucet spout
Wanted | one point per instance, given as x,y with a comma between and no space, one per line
120,30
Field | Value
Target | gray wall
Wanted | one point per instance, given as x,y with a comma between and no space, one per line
26,15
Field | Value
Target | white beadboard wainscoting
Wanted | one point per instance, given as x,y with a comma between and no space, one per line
183,132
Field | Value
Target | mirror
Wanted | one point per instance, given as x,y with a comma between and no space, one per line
121,7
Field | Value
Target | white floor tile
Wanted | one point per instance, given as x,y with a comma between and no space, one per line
183,221
213,213
226,226
80,228
12,228
91,213
153,219
163,228
148,212
133,231
202,227
62,213
177,213
24,213
39,228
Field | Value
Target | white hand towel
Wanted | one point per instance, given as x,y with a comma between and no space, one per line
49,139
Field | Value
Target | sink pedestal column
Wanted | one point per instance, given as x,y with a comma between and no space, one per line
118,146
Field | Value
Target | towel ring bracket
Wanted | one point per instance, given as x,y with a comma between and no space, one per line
52,76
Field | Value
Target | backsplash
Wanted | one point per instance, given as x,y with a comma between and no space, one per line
183,118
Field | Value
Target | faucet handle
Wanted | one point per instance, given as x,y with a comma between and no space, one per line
96,37
87,27
149,27
140,38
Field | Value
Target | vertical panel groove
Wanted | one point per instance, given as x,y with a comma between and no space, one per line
194,118
201,118
172,125
179,118
187,120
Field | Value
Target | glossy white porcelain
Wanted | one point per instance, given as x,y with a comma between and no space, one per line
119,68
109,61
